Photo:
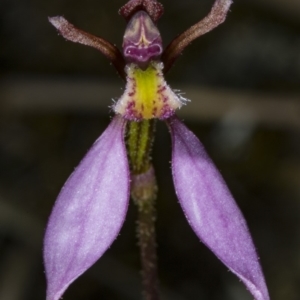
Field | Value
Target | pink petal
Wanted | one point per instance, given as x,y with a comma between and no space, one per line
89,211
211,210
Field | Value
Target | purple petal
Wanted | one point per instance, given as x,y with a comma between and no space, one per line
211,210
89,211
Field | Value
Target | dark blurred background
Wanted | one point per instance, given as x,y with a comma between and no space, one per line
244,82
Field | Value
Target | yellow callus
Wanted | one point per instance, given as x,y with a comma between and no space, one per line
147,95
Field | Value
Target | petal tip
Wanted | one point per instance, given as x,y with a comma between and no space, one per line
57,21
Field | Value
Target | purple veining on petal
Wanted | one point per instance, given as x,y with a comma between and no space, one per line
211,210
142,41
89,211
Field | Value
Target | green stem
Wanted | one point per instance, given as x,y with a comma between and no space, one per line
143,192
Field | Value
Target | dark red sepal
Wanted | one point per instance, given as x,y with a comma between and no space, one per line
152,7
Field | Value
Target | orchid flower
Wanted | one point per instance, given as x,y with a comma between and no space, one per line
91,207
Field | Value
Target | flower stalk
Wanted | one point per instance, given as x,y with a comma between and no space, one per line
140,136
143,193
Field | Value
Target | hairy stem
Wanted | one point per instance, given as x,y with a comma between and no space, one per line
143,192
